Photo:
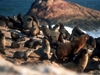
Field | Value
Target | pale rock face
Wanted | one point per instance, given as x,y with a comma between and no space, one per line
59,11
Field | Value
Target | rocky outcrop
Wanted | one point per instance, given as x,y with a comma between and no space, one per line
70,14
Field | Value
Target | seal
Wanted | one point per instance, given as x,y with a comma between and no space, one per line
36,20
55,28
2,23
69,49
23,54
50,27
14,36
27,22
79,63
15,45
45,50
62,29
34,31
2,43
3,18
76,32
96,51
48,32
29,43
20,18
61,37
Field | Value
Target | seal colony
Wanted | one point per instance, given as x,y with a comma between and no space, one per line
54,44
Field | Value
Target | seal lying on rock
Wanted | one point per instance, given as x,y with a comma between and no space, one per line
23,54
15,45
16,37
69,49
79,63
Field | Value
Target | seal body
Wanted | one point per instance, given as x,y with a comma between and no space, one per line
63,30
45,50
21,54
69,48
48,32
79,63
34,30
2,23
27,22
15,45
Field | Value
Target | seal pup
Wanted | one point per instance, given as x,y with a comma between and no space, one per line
69,49
23,54
79,63
62,29
47,32
34,31
27,22
15,45
2,43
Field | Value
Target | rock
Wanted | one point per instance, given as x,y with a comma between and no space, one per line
70,14
7,68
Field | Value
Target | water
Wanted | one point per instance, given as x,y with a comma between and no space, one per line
14,7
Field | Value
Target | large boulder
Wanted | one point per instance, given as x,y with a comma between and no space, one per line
70,14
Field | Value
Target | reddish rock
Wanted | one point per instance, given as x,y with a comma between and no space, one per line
70,14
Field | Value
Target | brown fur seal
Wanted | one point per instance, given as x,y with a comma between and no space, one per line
79,63
36,20
50,27
55,28
96,51
27,22
44,51
47,32
20,18
3,18
15,45
29,43
70,48
15,18
14,35
2,43
62,29
2,23
34,30
23,54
